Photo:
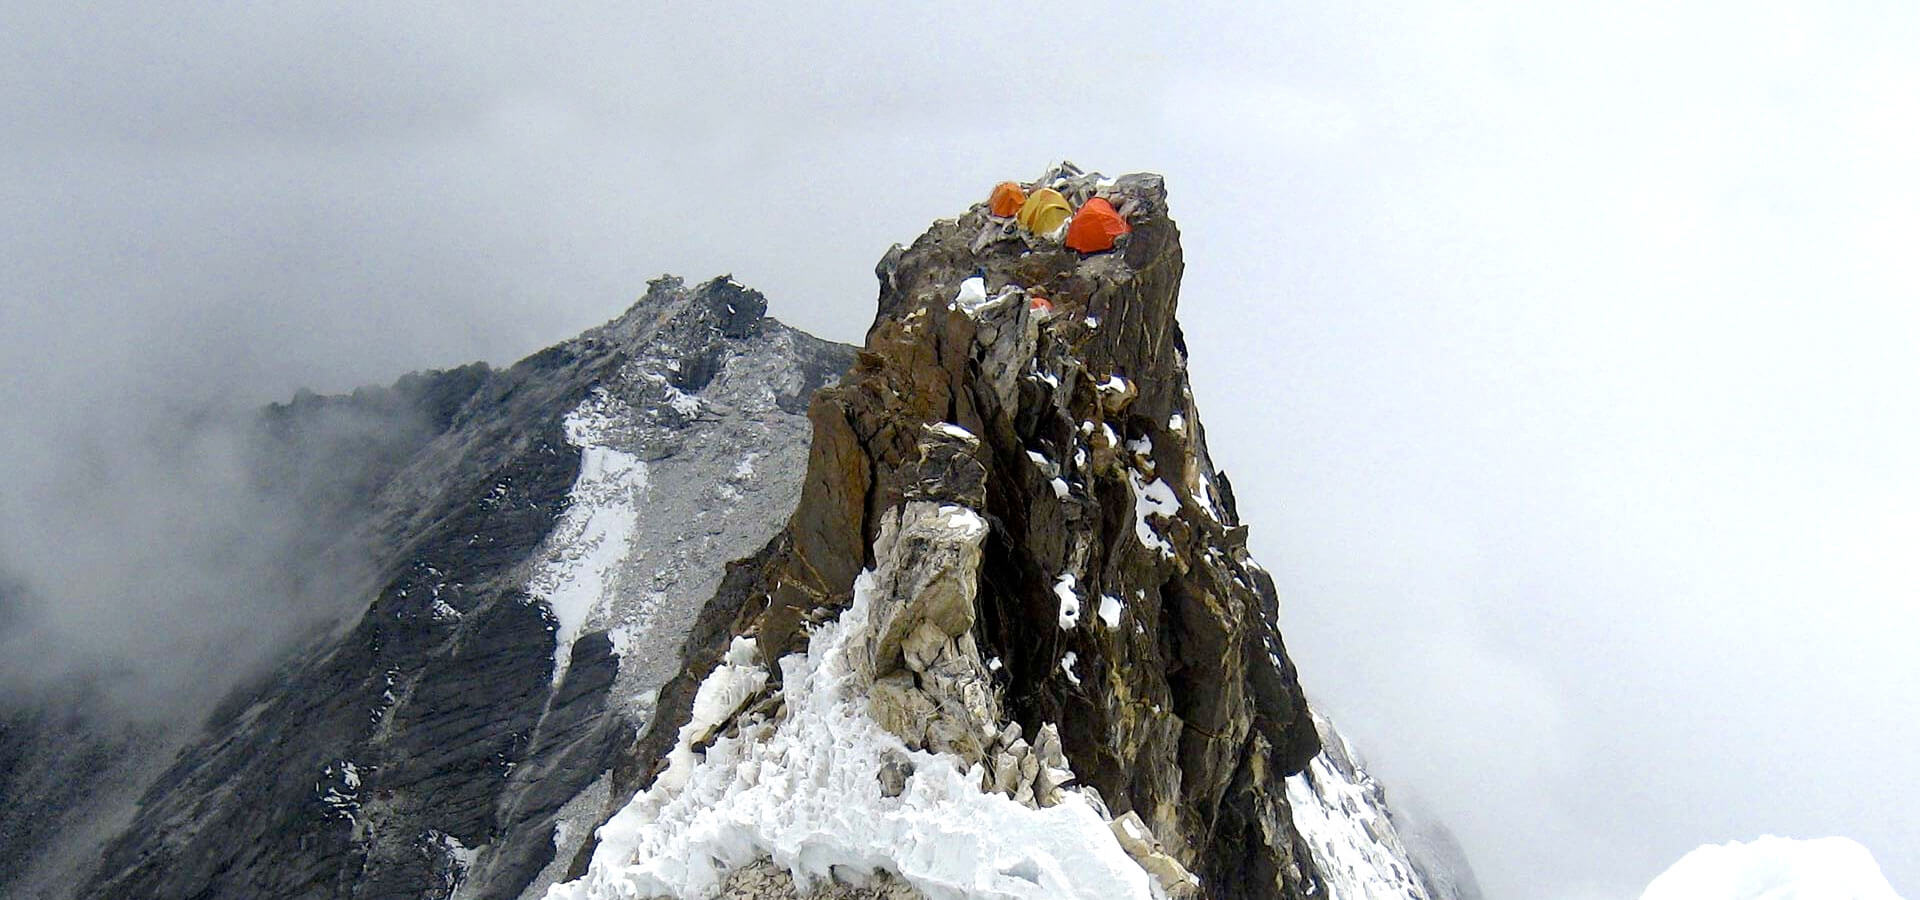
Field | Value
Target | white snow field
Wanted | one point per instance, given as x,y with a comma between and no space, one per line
1341,812
1774,868
802,791
593,536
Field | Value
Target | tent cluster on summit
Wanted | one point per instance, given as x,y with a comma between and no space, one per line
1087,224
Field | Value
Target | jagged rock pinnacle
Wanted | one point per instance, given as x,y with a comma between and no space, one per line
1113,602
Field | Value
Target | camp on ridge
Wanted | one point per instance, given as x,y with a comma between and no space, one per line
1061,208
1065,214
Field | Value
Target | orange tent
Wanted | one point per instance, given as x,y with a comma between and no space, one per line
1006,199
1095,227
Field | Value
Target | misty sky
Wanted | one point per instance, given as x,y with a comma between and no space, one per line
1564,356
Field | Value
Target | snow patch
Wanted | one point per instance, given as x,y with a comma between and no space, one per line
1060,488
1110,608
1069,602
1152,498
953,430
622,638
339,788
685,404
972,294
801,791
725,690
963,520
1204,495
462,855
1066,666
595,533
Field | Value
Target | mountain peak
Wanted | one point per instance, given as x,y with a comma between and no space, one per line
1010,523
721,305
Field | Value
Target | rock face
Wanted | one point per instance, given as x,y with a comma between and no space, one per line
1053,553
536,553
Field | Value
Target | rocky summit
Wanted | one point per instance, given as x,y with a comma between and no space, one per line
1010,497
695,605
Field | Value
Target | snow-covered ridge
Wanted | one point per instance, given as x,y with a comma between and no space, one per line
1342,813
802,790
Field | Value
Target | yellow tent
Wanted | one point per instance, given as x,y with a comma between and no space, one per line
1044,211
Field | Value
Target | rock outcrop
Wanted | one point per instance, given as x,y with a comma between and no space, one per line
1016,459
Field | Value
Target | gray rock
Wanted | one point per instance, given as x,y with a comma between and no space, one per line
1170,878
893,775
930,686
765,881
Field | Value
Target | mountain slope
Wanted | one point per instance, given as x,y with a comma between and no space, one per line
434,743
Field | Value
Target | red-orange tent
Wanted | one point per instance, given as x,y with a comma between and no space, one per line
1006,199
1095,227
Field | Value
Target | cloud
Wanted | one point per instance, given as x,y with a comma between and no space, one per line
166,558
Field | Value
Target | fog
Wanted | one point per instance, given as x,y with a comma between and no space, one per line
1563,356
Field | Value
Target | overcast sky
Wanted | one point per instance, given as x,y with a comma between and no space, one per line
1564,356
